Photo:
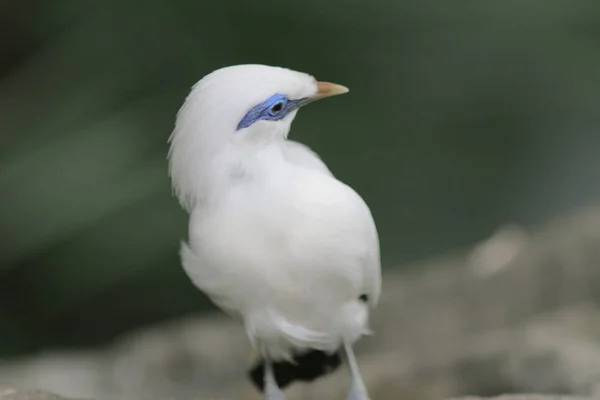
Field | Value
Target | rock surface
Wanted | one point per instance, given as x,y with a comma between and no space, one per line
526,397
518,314
12,394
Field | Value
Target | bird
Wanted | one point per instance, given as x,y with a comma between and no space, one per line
275,240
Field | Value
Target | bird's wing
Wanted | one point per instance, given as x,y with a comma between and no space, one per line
360,232
331,231
300,154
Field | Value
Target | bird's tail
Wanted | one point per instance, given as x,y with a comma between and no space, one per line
305,367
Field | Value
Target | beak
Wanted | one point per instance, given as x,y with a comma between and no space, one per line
326,89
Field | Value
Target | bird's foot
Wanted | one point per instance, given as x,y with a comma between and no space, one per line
274,393
358,392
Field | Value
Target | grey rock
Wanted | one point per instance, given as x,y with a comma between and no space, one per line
14,394
526,397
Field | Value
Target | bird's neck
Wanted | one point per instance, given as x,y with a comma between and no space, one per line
247,167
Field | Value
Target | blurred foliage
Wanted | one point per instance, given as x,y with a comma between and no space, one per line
462,115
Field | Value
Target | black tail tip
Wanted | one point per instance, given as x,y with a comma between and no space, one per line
308,367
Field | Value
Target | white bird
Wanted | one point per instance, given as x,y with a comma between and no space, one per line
274,238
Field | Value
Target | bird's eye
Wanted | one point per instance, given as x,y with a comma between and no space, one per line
276,108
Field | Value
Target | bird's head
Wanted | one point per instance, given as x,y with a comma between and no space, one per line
232,109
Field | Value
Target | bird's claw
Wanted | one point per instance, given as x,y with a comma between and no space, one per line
274,394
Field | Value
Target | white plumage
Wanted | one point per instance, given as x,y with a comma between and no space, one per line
274,237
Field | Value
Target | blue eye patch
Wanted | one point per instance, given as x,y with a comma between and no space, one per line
274,109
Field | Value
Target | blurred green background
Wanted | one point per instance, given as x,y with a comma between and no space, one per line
462,116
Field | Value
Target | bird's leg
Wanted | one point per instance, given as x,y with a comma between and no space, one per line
272,391
358,391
